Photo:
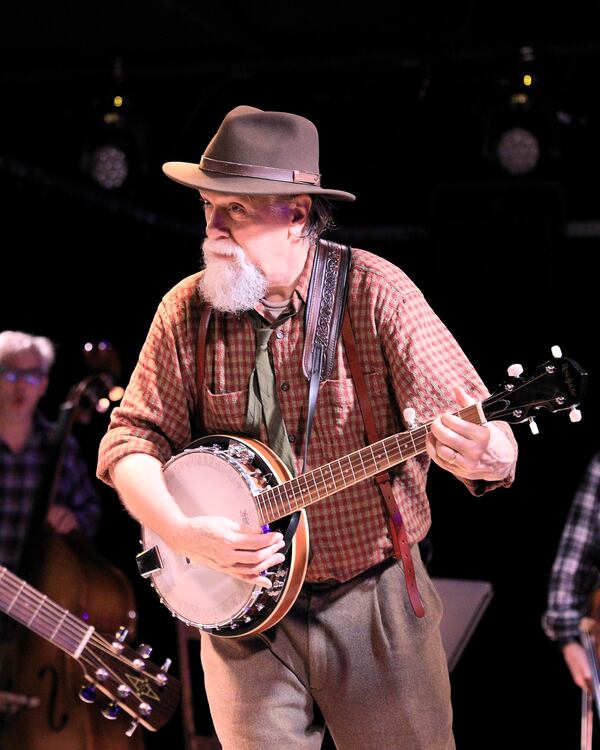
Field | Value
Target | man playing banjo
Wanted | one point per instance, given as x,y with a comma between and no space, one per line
359,649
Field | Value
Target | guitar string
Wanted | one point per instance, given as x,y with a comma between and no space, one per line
72,628
48,611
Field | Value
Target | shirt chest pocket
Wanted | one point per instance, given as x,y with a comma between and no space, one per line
339,419
225,412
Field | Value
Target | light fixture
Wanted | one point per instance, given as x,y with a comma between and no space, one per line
108,166
114,147
518,150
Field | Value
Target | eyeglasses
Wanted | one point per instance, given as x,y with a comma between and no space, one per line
33,376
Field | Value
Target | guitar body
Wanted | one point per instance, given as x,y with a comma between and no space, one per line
223,475
76,578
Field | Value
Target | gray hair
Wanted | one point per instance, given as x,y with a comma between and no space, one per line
13,342
320,216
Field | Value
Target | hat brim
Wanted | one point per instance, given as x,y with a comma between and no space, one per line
191,175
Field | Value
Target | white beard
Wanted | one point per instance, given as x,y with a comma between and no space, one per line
232,283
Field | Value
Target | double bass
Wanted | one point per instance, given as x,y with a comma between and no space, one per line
45,682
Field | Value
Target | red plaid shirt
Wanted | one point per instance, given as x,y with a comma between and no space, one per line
409,359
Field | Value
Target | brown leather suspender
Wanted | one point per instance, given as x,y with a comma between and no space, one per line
200,365
397,529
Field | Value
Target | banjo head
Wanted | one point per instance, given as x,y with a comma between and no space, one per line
215,476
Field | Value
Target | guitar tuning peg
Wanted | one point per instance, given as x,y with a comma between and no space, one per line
132,727
166,666
574,414
535,430
556,352
409,415
144,651
121,634
87,693
119,640
111,711
161,676
515,370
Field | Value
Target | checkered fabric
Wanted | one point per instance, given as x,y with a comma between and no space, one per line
20,476
576,569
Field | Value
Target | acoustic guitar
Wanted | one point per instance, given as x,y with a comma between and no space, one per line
127,678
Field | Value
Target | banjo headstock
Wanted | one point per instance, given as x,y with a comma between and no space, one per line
556,385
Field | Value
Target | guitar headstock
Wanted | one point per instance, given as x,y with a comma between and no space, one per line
557,385
130,681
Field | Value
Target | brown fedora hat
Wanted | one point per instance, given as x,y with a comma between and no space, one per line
258,153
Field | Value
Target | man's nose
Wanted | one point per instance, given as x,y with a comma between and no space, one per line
217,223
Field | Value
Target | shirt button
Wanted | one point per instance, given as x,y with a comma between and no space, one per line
285,386
279,334
291,438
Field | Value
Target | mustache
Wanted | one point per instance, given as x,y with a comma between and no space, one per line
222,247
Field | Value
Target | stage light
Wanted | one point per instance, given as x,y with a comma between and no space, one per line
521,134
109,166
114,148
518,151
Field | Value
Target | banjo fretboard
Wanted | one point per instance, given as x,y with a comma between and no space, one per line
326,480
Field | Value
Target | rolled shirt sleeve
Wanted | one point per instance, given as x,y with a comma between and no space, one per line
426,363
154,416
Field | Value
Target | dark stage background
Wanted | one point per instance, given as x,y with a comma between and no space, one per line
409,105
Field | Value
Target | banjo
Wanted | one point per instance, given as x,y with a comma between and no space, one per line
243,479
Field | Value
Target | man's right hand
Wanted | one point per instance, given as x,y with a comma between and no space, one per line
579,666
227,546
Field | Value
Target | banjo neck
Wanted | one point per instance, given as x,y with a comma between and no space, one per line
296,494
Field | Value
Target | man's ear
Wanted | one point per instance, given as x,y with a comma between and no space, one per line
299,215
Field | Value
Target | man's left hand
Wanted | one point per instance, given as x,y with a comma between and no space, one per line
469,450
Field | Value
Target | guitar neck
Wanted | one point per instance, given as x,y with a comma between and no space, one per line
36,612
326,480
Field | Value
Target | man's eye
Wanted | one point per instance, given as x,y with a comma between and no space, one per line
236,208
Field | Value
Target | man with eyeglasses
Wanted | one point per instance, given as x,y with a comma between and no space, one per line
25,362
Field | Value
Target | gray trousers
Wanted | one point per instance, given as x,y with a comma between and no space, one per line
377,673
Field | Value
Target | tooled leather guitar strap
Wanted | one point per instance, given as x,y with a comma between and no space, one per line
395,522
325,303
